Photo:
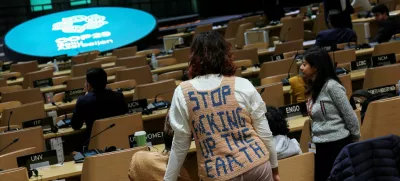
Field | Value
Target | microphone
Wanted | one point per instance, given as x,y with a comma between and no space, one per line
262,90
87,141
8,124
157,105
63,121
285,81
286,34
13,142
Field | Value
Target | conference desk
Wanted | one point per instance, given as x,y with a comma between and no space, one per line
72,169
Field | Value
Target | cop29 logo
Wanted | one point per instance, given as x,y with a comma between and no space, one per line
80,23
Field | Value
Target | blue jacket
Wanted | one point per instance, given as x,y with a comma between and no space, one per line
371,160
97,105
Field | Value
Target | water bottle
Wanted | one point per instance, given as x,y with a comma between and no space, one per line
309,12
154,62
398,88
55,65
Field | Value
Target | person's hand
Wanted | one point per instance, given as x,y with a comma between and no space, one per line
275,174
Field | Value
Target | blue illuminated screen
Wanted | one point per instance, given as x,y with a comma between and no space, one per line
81,30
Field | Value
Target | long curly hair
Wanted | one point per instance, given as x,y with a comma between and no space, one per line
210,54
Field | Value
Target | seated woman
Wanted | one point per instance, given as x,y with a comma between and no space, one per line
151,166
285,147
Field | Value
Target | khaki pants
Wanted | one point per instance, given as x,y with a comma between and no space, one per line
262,172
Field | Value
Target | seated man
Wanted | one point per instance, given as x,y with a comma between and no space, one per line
388,26
338,32
98,103
151,166
285,147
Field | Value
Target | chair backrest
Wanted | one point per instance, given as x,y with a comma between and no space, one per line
297,168
76,83
25,112
9,160
125,52
347,84
273,94
381,118
11,88
381,76
30,137
181,54
30,77
278,67
148,52
305,136
253,19
3,82
118,135
16,174
113,70
274,79
24,96
10,104
319,23
387,48
106,59
251,54
260,45
343,56
232,28
109,166
292,29
176,75
84,58
201,29
295,45
130,62
166,62
243,63
81,69
24,67
239,39
149,91
122,84
142,75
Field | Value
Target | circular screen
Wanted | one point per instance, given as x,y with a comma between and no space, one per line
75,31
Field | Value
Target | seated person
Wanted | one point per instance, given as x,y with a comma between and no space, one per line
337,34
388,26
98,103
285,147
151,166
297,89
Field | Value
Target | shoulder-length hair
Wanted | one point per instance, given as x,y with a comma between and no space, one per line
210,54
325,70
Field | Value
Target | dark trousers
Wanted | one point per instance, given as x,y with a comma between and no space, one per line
326,155
273,11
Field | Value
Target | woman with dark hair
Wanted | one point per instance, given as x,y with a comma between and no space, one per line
285,147
226,116
333,121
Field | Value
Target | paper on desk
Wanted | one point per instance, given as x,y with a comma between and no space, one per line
56,144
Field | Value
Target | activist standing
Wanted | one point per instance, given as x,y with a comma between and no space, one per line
226,116
334,124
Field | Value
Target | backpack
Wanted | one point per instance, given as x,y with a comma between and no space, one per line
368,99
